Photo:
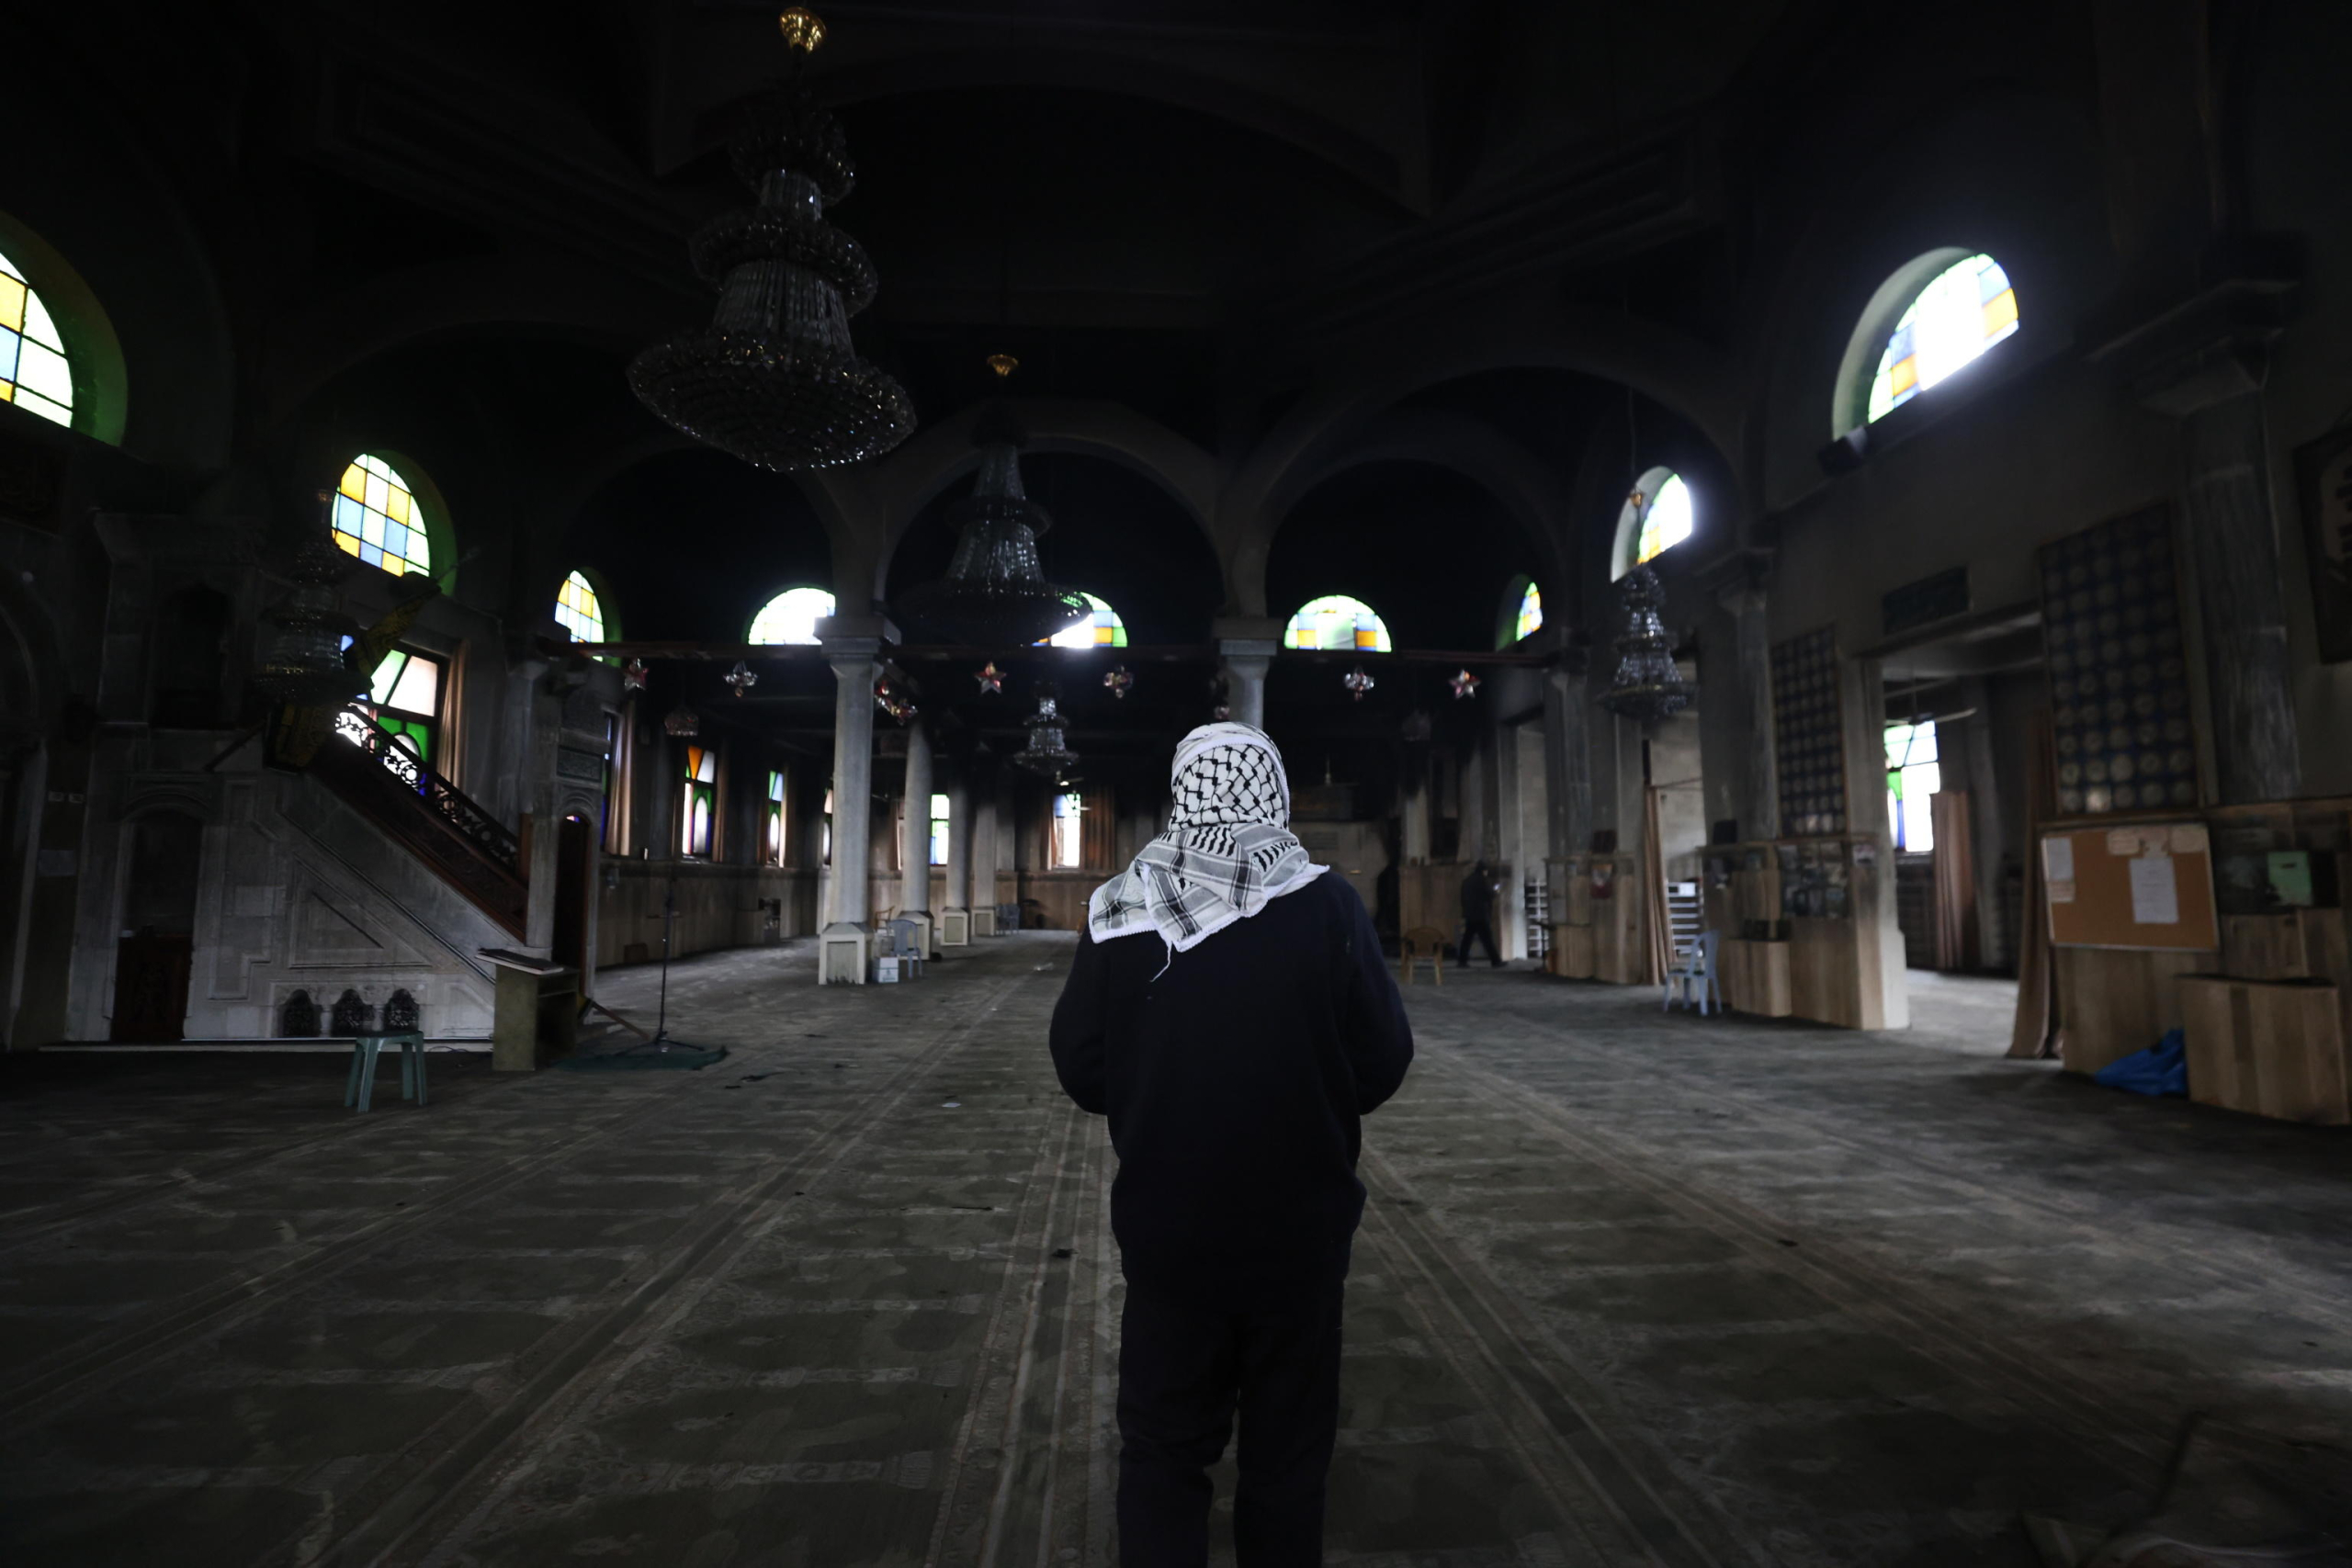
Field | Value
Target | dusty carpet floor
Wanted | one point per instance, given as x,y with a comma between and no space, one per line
1632,1289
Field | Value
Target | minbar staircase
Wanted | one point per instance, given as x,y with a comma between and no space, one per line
428,816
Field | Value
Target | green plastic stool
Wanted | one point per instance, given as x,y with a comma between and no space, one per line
365,1048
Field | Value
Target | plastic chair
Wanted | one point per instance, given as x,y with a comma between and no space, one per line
359,1090
906,946
1008,917
1694,975
1422,944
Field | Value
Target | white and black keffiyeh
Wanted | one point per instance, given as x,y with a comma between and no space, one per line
1228,847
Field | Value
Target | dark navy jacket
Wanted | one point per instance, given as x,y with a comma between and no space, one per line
1236,1084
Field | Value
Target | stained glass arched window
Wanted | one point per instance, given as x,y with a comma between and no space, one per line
34,374
1102,630
577,611
792,615
1962,312
376,517
1530,613
1655,517
1336,620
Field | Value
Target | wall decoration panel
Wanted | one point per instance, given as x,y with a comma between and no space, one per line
2119,669
1808,733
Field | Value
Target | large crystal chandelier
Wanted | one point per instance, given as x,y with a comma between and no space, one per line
303,665
995,594
1648,685
774,378
1047,752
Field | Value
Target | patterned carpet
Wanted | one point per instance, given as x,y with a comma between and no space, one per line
1632,1289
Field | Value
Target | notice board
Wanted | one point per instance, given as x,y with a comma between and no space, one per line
2146,884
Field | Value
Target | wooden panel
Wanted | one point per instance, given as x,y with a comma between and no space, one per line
1572,952
2276,1049
1617,955
2111,1002
2302,944
1757,978
1824,970
2101,913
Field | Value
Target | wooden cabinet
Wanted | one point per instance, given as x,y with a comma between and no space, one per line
2113,1001
2273,1047
1756,978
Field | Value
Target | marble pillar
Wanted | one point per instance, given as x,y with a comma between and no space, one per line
914,841
1247,647
2234,557
842,945
984,859
1757,786
956,912
1567,777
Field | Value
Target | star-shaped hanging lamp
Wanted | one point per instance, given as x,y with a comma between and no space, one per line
990,678
1357,683
1465,685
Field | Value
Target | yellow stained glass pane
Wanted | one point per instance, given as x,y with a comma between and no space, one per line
8,392
12,304
1900,378
354,482
2001,312
397,505
349,542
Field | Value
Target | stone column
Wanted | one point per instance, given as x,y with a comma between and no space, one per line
956,914
1247,646
842,946
1757,784
914,839
984,859
2234,558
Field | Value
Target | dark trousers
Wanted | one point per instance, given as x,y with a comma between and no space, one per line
1182,1370
1484,933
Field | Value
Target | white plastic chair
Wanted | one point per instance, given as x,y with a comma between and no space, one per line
1694,975
907,945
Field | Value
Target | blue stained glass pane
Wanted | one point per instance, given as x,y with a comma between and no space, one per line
1898,345
371,555
395,540
1991,283
347,512
8,342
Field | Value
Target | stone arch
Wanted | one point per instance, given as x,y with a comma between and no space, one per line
901,485
1665,365
1464,444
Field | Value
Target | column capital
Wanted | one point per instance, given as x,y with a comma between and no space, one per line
1739,580
2206,349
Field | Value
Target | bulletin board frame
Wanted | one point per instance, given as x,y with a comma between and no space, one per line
2101,904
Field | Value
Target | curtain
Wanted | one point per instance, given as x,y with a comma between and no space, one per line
1098,827
2032,1037
1658,941
1955,869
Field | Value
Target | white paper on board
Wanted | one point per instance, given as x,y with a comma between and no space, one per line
2155,892
2058,859
2062,892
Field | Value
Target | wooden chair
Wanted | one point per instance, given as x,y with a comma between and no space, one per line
1422,944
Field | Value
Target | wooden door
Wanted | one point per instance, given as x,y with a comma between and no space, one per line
154,952
574,885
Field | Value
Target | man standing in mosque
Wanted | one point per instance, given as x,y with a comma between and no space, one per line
1230,1009
1478,891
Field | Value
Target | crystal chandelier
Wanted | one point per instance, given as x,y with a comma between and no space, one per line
774,378
1047,752
1648,685
304,666
995,594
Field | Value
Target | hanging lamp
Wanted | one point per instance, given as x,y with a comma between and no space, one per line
775,378
1048,750
995,594
304,666
1648,685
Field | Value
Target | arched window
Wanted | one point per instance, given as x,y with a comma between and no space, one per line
378,518
34,374
1957,314
1530,613
577,611
1655,517
1336,620
792,615
1102,630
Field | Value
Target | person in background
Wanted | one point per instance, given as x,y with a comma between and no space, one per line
1478,890
1230,1009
